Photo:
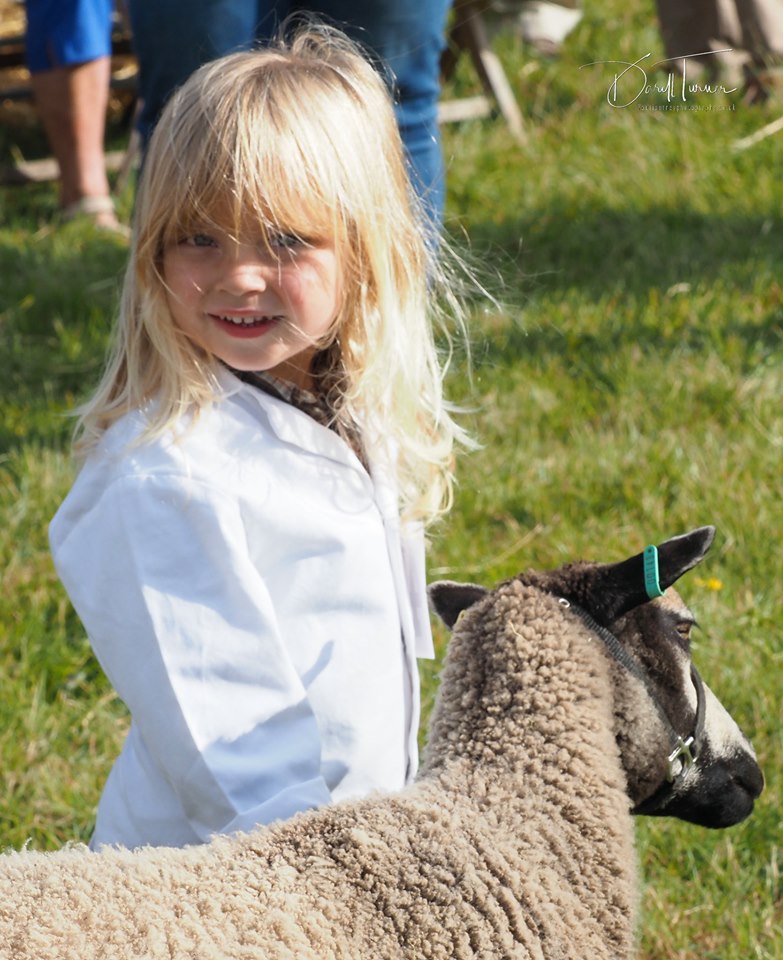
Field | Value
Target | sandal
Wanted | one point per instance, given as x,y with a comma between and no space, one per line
100,210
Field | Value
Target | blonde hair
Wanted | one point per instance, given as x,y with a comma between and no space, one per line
299,137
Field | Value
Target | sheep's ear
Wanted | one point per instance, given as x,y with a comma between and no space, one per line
448,599
680,554
624,582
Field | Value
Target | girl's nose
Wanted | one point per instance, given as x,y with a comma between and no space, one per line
244,271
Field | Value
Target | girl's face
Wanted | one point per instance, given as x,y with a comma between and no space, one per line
255,306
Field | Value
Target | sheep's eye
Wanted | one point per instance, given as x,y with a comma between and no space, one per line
684,628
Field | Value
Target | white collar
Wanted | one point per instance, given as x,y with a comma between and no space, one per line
288,422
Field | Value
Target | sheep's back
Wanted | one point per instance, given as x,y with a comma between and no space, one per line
422,874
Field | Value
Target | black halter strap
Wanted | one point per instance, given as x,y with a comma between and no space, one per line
685,750
683,756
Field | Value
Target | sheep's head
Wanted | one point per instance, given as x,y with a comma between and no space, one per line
660,701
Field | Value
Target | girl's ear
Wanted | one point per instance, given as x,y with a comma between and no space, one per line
448,599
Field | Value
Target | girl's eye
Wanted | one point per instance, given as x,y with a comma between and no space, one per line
199,240
285,241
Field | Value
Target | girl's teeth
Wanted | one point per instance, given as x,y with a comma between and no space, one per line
246,321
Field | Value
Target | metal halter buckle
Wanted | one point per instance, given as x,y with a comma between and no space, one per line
682,758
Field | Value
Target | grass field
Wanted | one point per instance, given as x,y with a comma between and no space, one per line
629,389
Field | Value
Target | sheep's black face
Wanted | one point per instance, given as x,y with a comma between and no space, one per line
719,790
651,713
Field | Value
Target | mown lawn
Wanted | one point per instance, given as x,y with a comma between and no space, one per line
627,389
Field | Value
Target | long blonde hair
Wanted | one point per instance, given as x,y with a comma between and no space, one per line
299,136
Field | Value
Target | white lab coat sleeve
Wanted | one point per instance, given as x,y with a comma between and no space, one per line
181,621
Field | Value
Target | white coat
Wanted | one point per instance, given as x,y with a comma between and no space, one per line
247,589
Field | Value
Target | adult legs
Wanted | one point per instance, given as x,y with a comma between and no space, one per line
408,36
68,53
72,104
174,38
741,34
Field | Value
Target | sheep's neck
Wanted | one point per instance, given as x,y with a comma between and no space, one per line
521,680
525,709
521,739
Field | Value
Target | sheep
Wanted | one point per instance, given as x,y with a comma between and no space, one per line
566,704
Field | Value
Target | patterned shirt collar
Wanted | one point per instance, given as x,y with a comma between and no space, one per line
305,400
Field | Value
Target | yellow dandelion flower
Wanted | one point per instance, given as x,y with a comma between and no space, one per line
710,583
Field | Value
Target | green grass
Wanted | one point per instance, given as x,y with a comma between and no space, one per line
628,390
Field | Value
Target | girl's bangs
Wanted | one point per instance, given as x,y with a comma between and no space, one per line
251,193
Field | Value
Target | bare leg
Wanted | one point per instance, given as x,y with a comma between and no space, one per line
72,103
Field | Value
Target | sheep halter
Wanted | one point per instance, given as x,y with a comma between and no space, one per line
685,751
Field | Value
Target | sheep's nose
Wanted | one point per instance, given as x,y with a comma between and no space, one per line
750,778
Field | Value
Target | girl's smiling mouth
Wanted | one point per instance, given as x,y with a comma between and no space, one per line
246,325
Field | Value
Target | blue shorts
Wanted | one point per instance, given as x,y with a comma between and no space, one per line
64,33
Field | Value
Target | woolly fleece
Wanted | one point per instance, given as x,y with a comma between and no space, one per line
515,842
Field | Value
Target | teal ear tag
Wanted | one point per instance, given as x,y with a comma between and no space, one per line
651,583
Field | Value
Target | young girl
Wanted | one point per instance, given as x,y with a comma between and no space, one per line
244,542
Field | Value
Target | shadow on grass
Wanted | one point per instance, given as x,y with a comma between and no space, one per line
601,250
58,299
660,279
